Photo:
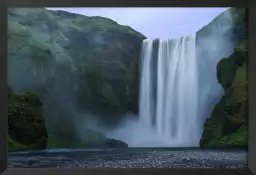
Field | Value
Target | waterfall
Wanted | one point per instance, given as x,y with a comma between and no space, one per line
178,90
169,91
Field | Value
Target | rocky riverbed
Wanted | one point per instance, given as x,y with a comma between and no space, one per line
128,158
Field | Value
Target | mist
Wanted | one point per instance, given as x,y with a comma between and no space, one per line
56,85
213,43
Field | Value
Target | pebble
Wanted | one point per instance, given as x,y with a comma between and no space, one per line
136,159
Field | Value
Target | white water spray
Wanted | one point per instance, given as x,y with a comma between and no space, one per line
169,90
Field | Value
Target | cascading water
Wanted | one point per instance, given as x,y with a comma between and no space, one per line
178,90
169,90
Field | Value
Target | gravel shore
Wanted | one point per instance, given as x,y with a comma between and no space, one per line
148,158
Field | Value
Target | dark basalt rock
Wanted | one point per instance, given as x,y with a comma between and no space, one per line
112,143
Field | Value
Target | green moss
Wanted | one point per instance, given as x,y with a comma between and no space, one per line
58,141
237,139
97,50
26,125
108,96
235,17
228,125
69,56
15,146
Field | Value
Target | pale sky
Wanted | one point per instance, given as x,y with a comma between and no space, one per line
155,22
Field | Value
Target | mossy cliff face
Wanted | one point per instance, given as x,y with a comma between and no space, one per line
75,64
229,25
228,124
225,37
26,125
93,57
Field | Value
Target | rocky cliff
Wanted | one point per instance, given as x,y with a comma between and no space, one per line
228,125
74,63
228,122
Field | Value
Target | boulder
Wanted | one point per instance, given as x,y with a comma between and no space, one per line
113,143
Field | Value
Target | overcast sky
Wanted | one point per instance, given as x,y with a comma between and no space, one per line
155,22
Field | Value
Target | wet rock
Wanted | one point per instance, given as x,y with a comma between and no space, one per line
112,143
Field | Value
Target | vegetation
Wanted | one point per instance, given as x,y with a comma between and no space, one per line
75,64
79,64
47,45
228,125
26,126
